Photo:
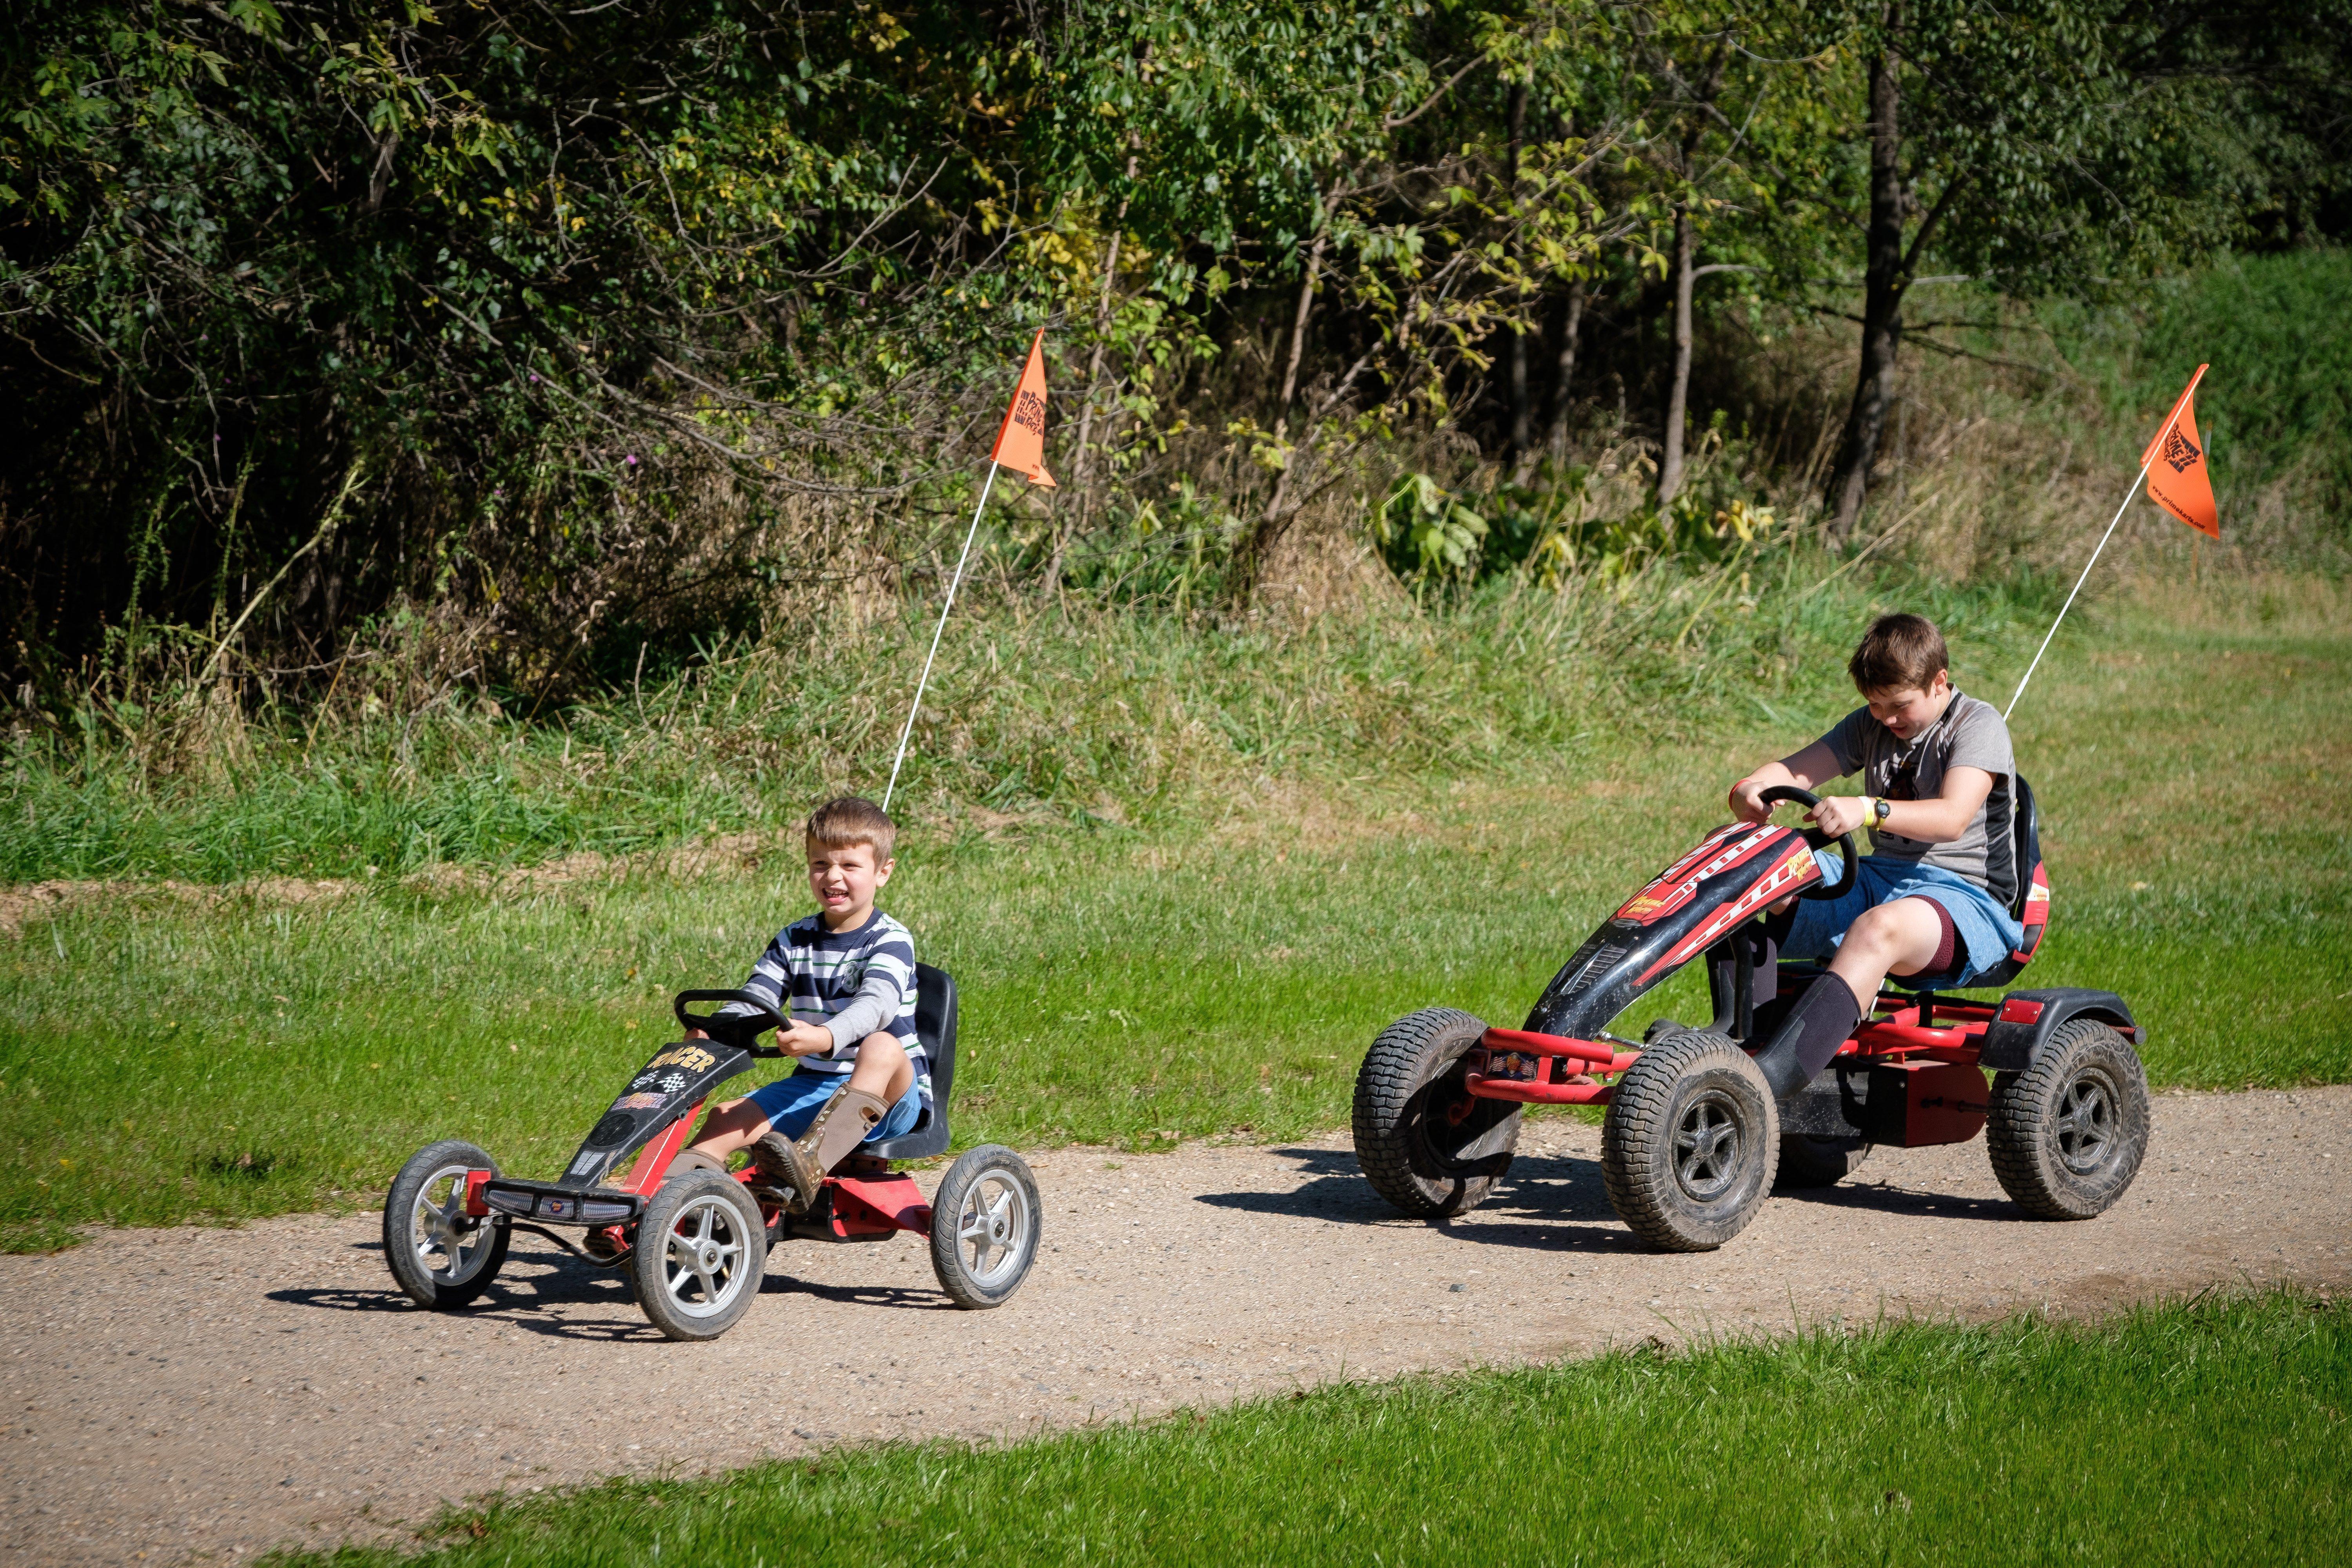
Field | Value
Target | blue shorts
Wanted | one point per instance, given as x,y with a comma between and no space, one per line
1987,933
790,1104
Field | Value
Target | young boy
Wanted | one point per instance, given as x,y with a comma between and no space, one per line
845,975
1932,899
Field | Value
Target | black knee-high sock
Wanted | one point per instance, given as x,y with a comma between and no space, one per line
1764,952
1822,1021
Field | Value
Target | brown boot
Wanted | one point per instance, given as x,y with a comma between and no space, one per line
842,1126
789,1172
799,1166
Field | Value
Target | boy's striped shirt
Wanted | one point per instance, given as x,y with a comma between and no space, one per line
853,982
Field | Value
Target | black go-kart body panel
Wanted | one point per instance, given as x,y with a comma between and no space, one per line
2010,1041
1737,870
680,1077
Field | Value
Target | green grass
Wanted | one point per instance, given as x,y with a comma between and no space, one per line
1206,974
1135,714
2192,1433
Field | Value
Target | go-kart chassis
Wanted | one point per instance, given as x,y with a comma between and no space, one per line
1910,1076
691,1238
850,1208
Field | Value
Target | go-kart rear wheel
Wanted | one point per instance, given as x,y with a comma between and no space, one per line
1425,1142
1688,1149
441,1256
984,1221
700,1252
2067,1135
1809,1160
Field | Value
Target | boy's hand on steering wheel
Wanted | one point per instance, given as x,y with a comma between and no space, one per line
805,1039
1747,802
1839,815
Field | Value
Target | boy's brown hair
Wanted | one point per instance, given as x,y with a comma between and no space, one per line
852,819
1899,653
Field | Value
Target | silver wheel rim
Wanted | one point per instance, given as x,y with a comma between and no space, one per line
993,1226
1708,1146
2085,1127
703,1257
439,1226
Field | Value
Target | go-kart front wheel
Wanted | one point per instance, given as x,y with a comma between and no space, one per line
1425,1142
2067,1135
441,1256
701,1250
1688,1150
984,1227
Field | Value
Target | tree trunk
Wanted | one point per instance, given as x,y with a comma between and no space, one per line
1882,310
1670,463
1522,421
1102,335
1564,373
1298,329
1094,374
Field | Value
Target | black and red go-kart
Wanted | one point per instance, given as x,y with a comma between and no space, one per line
1694,1138
693,1240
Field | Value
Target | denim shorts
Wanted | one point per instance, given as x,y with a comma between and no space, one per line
1987,932
790,1104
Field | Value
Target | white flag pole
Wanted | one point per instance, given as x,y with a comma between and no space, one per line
2154,447
952,584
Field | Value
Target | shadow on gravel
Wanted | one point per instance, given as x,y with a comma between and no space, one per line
1547,1202
1549,1193
531,1284
1866,1193
346,1301
859,1295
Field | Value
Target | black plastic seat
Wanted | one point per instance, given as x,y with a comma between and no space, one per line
2031,907
935,1026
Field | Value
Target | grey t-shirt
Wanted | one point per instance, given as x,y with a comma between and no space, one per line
1970,734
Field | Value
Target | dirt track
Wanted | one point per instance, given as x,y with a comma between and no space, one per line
216,1392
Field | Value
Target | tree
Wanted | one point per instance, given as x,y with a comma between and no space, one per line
2057,145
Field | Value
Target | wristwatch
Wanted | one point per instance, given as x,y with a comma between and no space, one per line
1881,808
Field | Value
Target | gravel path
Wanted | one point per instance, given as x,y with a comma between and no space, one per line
213,1394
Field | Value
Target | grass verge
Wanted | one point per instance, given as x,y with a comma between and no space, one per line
2201,1432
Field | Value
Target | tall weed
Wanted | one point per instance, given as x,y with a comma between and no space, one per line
1119,712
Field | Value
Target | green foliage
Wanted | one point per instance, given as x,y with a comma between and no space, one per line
2174,1434
640,322
1425,530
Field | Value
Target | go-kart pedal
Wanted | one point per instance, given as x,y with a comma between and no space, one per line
694,1237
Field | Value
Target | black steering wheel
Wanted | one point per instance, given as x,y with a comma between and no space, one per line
1818,839
740,1030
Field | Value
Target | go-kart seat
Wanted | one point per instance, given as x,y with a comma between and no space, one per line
935,1026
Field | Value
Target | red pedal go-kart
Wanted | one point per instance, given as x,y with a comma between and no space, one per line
1694,1138
693,1240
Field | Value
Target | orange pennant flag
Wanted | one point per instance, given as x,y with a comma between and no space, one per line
2175,461
1021,444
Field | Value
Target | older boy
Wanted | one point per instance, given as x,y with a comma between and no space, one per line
846,976
1932,901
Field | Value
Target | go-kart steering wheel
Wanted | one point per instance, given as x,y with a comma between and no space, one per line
1818,839
734,1029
